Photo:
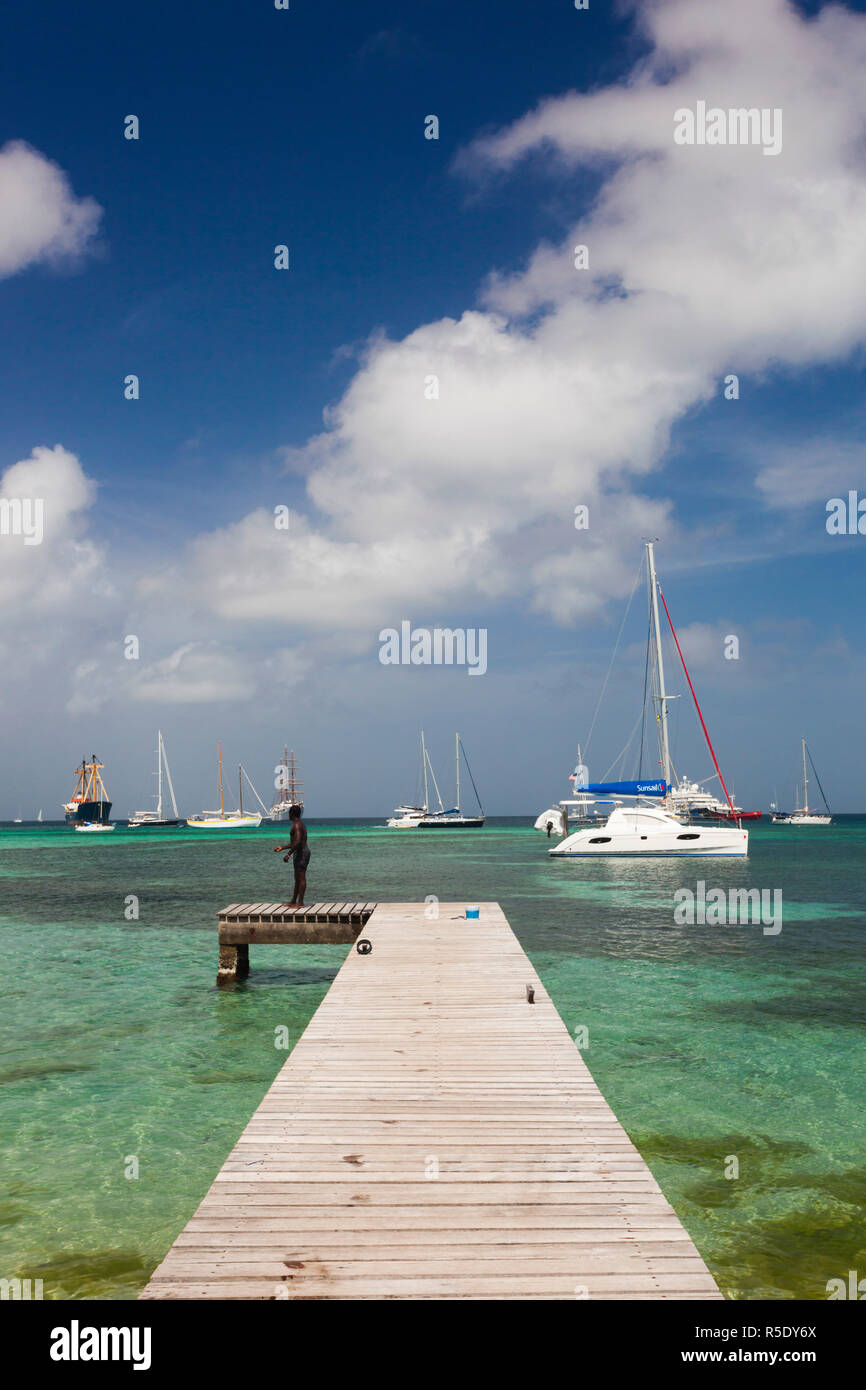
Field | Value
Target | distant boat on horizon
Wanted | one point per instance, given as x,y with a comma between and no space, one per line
804,815
291,789
90,802
229,820
155,819
422,818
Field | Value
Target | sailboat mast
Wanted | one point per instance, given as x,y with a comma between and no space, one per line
168,779
805,780
457,755
220,761
240,789
663,701
159,774
424,765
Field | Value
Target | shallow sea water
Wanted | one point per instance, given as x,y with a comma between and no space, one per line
709,1042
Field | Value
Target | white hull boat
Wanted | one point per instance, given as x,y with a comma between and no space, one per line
650,830
805,815
553,818
233,820
229,820
651,825
155,820
92,827
290,788
422,818
803,818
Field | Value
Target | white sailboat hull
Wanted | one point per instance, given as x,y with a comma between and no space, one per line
807,818
644,830
224,822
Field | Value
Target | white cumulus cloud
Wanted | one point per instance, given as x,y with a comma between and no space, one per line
41,219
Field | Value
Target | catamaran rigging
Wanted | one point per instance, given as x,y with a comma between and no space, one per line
646,828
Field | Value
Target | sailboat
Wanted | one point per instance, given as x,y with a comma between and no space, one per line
291,789
39,817
155,819
421,817
228,820
803,815
16,820
89,807
645,827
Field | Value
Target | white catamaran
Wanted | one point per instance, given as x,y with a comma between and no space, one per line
421,817
140,820
804,815
229,820
645,828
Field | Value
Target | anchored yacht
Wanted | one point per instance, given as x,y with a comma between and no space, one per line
645,828
229,820
421,817
141,820
803,815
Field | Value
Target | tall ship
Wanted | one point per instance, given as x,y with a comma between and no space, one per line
291,789
90,803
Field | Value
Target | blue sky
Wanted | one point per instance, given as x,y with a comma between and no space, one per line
260,127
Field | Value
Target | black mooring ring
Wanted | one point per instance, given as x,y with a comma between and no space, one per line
363,946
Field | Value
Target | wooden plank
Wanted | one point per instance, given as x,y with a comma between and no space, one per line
432,1135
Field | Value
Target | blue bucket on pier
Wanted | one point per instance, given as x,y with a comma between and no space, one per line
472,913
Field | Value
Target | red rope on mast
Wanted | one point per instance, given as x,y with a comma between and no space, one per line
695,698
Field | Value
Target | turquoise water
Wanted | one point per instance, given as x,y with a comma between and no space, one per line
709,1042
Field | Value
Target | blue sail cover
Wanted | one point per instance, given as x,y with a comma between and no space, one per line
627,788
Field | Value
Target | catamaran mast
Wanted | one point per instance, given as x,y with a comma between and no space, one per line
159,774
663,701
220,761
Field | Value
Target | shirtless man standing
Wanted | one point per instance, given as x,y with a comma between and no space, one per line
299,853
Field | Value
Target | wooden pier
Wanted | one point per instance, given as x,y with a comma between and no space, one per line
242,925
435,1133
